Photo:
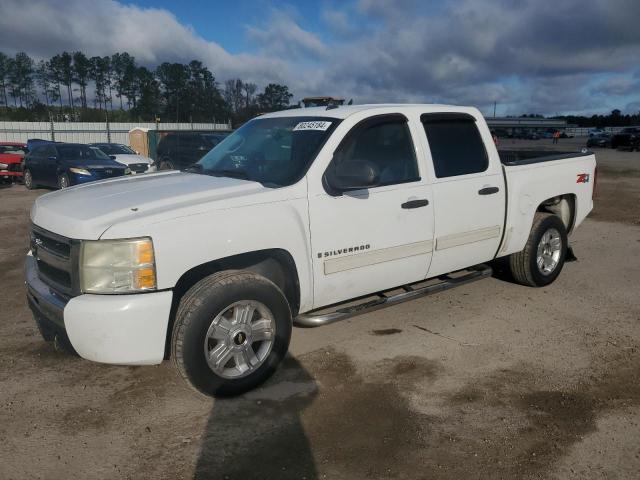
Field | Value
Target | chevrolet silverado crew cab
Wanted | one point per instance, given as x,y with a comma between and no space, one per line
300,217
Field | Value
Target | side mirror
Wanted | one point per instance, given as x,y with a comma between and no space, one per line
112,157
353,175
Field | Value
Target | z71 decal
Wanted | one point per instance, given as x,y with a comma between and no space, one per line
583,178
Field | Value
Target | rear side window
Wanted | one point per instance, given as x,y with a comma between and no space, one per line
455,144
38,151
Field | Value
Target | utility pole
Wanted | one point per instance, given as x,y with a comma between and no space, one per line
108,127
494,109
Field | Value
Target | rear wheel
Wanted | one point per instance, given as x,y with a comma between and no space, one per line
166,164
232,330
27,178
542,259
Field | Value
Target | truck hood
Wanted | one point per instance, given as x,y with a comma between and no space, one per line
87,211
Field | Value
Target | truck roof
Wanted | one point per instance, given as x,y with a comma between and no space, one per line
347,110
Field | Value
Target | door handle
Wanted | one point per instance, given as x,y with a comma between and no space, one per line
488,190
415,203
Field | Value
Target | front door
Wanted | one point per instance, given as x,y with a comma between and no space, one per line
377,238
468,192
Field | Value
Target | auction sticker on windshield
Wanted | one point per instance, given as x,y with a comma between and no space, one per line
322,126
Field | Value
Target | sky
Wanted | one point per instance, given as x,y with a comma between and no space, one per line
527,56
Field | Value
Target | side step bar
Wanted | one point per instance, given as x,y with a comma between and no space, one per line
311,319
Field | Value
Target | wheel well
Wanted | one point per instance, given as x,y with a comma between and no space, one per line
276,265
563,206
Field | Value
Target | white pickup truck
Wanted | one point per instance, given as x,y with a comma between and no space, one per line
282,223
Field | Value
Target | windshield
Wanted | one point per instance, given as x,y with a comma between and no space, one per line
115,149
273,151
81,152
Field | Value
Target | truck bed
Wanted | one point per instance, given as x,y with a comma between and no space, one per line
527,157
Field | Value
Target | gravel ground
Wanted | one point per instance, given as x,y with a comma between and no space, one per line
491,380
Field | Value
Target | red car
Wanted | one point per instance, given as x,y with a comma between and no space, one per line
11,157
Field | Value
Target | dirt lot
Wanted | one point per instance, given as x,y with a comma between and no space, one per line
492,380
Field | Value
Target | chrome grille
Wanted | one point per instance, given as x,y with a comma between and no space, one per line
57,260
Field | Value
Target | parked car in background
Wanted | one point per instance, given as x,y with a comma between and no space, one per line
565,134
62,165
595,131
601,140
125,155
628,138
180,150
11,158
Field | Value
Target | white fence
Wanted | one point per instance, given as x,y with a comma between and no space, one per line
584,132
89,132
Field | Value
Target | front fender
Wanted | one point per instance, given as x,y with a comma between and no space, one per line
187,241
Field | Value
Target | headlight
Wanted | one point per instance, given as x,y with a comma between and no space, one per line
127,171
117,266
3,166
80,171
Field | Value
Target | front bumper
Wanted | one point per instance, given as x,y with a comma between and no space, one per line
117,329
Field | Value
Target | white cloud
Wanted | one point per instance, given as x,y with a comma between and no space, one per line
526,56
283,36
103,27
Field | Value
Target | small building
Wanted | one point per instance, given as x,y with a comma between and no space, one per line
521,126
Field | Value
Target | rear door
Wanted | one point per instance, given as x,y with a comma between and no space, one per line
49,166
38,164
468,190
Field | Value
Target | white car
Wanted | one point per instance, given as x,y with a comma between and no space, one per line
288,218
125,155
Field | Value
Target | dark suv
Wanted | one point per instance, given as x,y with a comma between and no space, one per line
180,150
627,139
65,164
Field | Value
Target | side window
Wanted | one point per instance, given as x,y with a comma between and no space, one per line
49,151
38,151
387,143
455,144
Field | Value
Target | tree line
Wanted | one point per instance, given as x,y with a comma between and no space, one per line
74,86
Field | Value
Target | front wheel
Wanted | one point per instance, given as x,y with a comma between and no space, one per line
63,181
231,332
542,259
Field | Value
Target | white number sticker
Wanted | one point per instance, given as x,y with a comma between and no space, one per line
322,126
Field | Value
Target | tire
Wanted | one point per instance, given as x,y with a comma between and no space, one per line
27,179
63,181
166,164
207,309
524,265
